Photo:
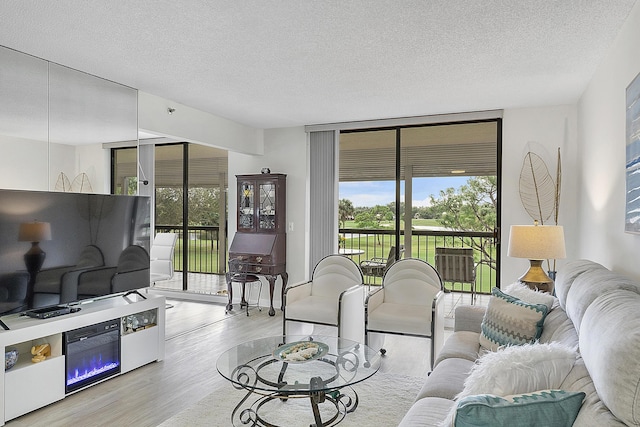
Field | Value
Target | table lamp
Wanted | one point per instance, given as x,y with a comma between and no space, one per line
537,243
34,232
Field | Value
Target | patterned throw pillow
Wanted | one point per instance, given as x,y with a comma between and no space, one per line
541,408
510,321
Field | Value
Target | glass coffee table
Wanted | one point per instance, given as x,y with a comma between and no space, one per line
273,370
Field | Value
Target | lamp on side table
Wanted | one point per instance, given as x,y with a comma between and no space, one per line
537,243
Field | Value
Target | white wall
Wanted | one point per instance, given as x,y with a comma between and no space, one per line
285,152
601,156
191,125
24,164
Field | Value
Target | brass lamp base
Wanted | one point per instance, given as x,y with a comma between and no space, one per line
536,278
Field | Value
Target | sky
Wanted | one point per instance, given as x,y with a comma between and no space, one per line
371,193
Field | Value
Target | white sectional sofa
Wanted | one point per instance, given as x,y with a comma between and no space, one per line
596,314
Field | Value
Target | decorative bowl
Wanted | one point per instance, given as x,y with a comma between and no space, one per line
10,359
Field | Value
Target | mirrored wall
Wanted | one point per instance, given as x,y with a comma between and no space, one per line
54,121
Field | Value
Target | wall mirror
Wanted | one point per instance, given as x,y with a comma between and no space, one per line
54,122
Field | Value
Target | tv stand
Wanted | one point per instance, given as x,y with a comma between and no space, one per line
141,323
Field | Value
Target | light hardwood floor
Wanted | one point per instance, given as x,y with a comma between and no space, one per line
196,333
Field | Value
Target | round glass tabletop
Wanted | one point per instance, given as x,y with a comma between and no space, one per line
298,364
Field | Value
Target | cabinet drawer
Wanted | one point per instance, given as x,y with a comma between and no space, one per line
32,387
139,348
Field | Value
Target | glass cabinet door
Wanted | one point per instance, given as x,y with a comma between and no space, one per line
246,205
267,208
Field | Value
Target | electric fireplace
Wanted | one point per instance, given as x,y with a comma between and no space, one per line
92,354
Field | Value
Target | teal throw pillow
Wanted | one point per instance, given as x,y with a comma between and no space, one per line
549,408
510,321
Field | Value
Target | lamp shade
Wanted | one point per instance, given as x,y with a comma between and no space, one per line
34,231
536,242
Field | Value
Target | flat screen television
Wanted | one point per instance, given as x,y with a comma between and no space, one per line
59,248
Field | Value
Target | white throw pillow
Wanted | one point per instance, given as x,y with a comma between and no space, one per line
517,370
526,294
520,369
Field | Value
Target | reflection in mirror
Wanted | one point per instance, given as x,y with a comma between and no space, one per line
54,121
84,112
23,121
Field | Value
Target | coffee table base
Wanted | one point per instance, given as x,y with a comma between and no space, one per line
344,400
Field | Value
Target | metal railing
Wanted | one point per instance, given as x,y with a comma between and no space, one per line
203,243
361,245
374,243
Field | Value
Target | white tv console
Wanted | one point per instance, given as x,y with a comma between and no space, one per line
29,386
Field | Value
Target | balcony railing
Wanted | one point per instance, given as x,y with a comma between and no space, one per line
375,243
204,249
203,243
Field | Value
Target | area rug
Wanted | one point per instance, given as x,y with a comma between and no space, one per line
383,401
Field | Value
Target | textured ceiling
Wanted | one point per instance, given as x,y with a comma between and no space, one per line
280,63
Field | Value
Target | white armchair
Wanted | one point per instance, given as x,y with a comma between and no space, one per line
410,302
162,251
333,297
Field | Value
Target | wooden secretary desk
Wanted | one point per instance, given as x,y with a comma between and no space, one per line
259,245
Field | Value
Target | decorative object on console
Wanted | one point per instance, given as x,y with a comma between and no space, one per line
40,352
539,193
81,184
62,183
537,243
10,359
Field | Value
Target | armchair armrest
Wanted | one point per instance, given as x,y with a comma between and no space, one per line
437,325
374,260
469,318
351,314
374,299
296,292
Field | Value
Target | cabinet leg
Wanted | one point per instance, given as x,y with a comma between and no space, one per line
272,285
229,306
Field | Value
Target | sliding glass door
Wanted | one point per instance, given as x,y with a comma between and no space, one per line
417,188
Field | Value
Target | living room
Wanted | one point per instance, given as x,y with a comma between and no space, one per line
589,130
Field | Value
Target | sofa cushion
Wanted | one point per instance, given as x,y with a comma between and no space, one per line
610,347
510,321
559,328
593,412
447,379
462,345
427,412
314,309
520,369
540,408
408,319
587,287
567,275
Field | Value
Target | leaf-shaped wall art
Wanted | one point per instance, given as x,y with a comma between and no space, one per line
537,188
